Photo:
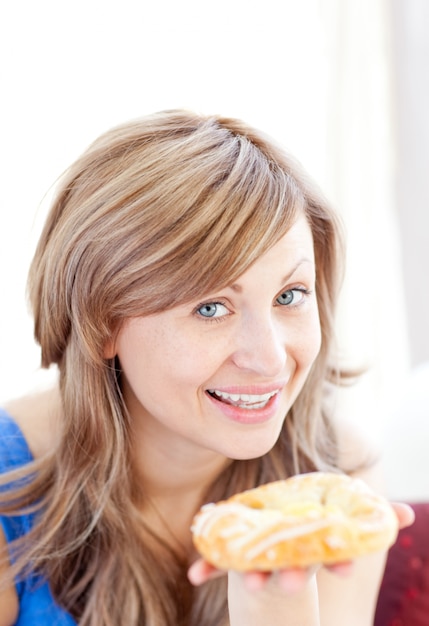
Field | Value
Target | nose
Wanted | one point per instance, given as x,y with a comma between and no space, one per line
260,346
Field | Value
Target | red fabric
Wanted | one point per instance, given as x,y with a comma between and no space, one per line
404,592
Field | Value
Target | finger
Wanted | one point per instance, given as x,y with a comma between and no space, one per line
201,571
256,580
342,569
294,580
405,513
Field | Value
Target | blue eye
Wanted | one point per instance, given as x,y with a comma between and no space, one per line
291,296
212,309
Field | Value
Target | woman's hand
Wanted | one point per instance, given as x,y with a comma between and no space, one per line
291,580
284,596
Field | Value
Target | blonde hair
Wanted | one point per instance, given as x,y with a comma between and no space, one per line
154,213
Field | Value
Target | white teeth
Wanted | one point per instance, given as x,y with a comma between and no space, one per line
245,400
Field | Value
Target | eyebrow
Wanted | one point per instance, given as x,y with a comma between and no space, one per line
238,288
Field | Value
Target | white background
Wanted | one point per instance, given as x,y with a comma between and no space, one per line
315,74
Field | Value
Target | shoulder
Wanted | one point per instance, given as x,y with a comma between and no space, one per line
37,416
34,415
8,596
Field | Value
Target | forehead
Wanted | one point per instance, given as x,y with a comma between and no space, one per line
297,241
293,252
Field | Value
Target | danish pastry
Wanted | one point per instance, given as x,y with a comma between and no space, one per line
307,519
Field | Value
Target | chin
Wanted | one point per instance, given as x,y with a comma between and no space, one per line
246,452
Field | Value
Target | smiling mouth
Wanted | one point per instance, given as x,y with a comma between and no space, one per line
243,400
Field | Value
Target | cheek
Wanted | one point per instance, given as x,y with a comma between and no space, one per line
164,358
134,346
309,341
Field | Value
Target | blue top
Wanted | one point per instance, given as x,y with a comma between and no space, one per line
37,606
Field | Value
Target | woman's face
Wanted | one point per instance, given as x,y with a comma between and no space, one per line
221,374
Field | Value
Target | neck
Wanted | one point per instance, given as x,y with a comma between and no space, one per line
174,476
166,470
173,484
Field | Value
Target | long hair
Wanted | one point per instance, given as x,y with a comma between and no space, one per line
154,213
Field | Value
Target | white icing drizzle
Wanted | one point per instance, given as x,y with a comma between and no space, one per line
234,529
210,514
284,535
334,542
266,526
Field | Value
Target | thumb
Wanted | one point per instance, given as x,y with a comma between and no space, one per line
201,571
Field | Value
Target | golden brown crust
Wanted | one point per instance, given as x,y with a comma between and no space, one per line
307,519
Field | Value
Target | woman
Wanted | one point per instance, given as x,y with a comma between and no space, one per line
185,286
